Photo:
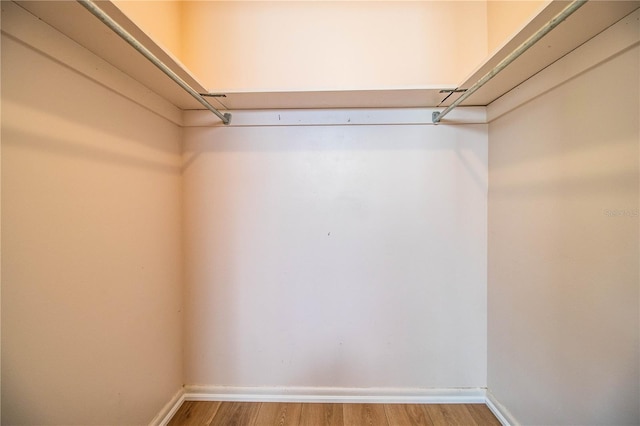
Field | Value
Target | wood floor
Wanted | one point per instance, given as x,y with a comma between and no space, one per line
294,414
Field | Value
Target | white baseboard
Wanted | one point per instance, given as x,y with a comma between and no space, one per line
338,395
499,410
167,412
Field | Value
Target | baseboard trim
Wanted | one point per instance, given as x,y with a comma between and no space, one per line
167,412
499,410
338,395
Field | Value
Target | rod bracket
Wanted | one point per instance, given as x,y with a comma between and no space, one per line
435,117
227,118
214,95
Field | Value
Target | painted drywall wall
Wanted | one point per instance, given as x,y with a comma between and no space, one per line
563,341
505,18
276,46
161,20
91,248
0,234
335,256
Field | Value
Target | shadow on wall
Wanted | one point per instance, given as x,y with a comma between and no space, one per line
30,89
23,139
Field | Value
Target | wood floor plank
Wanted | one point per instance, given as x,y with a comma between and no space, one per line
449,415
364,415
278,414
198,413
483,415
407,415
194,413
236,414
321,415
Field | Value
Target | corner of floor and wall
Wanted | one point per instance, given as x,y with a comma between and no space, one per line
119,211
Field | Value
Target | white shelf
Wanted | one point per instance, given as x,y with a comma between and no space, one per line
385,98
73,20
584,24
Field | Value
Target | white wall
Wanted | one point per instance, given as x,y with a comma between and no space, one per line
335,256
563,243
0,231
302,45
160,20
505,18
91,257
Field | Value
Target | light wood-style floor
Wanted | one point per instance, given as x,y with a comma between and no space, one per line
294,414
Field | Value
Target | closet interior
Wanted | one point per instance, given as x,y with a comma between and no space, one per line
320,233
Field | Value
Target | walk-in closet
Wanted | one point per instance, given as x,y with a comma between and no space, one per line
339,202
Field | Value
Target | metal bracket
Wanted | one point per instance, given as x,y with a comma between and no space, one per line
453,90
434,117
227,118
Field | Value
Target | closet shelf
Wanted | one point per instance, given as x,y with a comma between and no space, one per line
74,21
587,22
71,19
384,98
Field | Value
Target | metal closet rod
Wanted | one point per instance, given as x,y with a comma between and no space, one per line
124,34
564,14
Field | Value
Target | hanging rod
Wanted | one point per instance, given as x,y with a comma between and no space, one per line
126,36
564,14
